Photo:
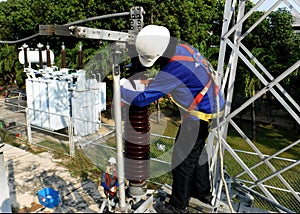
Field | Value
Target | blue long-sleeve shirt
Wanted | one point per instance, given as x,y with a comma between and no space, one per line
183,80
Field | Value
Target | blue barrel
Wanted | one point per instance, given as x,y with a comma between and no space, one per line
48,197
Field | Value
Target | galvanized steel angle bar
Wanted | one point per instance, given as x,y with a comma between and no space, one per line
268,85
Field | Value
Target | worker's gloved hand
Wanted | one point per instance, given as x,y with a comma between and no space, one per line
113,189
133,85
123,81
139,85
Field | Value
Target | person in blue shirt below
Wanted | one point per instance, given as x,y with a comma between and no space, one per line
109,181
189,79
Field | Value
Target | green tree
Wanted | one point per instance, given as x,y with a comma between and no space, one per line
9,66
274,43
196,22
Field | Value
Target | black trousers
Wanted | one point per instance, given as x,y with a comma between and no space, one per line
190,167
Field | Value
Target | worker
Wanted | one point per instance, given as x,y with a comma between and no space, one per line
191,82
109,181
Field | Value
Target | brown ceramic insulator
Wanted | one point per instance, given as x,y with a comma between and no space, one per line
137,139
26,63
137,144
137,152
48,58
63,59
137,171
138,112
136,127
40,58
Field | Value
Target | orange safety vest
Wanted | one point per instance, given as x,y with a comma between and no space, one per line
108,181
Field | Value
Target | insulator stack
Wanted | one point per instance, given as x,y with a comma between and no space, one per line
26,63
40,46
63,57
80,58
136,145
48,56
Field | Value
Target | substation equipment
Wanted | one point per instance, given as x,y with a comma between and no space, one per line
133,161
55,94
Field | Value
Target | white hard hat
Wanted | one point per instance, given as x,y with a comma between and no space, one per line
151,42
112,160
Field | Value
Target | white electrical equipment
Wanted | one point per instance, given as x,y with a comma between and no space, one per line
56,97
33,57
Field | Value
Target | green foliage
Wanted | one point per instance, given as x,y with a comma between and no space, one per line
266,138
6,136
10,69
276,46
81,166
197,22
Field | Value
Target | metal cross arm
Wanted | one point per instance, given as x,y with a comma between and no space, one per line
85,32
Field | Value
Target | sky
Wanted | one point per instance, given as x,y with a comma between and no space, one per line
268,3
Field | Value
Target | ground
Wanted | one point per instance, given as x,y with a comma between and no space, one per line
28,173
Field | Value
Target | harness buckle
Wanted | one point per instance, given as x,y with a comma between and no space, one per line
197,57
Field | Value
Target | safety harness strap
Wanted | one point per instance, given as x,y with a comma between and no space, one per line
200,95
182,58
196,58
201,115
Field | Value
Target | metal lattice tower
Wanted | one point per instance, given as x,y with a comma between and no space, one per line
232,41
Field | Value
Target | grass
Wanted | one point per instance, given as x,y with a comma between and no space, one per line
79,166
269,140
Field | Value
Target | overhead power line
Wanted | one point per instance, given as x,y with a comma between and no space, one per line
68,24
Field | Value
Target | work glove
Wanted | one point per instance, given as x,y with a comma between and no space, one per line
123,81
133,85
113,189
